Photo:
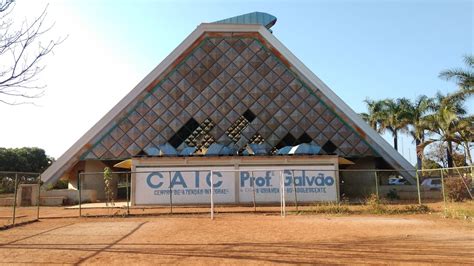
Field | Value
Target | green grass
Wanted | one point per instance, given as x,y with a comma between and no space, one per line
460,210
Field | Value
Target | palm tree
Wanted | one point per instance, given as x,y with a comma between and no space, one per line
447,121
463,77
466,135
373,116
417,112
465,80
395,117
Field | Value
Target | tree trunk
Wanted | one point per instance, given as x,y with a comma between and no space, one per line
468,152
449,154
395,141
419,156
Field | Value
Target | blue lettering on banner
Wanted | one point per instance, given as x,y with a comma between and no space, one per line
304,181
247,180
149,180
190,191
178,180
259,181
216,184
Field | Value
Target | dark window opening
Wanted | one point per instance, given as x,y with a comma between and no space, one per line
288,140
183,133
329,147
141,153
304,138
249,116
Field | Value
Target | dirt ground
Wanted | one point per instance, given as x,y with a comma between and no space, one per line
241,238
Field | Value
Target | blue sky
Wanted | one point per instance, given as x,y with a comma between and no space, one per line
361,49
375,48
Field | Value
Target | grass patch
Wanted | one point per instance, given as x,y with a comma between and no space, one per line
331,208
371,205
464,211
411,209
378,206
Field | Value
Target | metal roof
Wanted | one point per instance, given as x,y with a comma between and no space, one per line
261,18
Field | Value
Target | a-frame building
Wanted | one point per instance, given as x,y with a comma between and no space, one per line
230,83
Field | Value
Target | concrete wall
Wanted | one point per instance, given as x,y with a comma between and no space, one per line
33,194
358,184
71,195
410,192
6,201
93,181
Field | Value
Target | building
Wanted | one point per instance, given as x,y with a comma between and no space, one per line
230,94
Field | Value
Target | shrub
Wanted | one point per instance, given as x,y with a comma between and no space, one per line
61,184
109,193
416,209
331,208
456,189
393,195
375,204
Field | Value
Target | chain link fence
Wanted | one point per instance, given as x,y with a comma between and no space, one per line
411,187
19,198
213,191
355,186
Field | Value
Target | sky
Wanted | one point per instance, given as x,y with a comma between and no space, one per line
360,49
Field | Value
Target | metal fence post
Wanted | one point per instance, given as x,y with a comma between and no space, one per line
418,186
253,190
128,194
212,196
282,195
338,185
39,198
294,188
376,184
442,188
79,186
14,199
171,193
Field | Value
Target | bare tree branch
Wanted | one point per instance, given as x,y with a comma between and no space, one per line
21,55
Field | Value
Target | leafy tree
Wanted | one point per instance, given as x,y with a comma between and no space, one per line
436,155
394,117
373,116
21,54
416,114
463,77
430,164
109,193
24,160
443,119
466,134
447,121
465,80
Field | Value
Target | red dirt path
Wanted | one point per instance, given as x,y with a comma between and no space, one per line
241,238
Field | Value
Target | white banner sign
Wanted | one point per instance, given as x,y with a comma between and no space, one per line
193,186
310,185
159,186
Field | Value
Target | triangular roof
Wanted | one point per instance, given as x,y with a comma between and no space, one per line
212,33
